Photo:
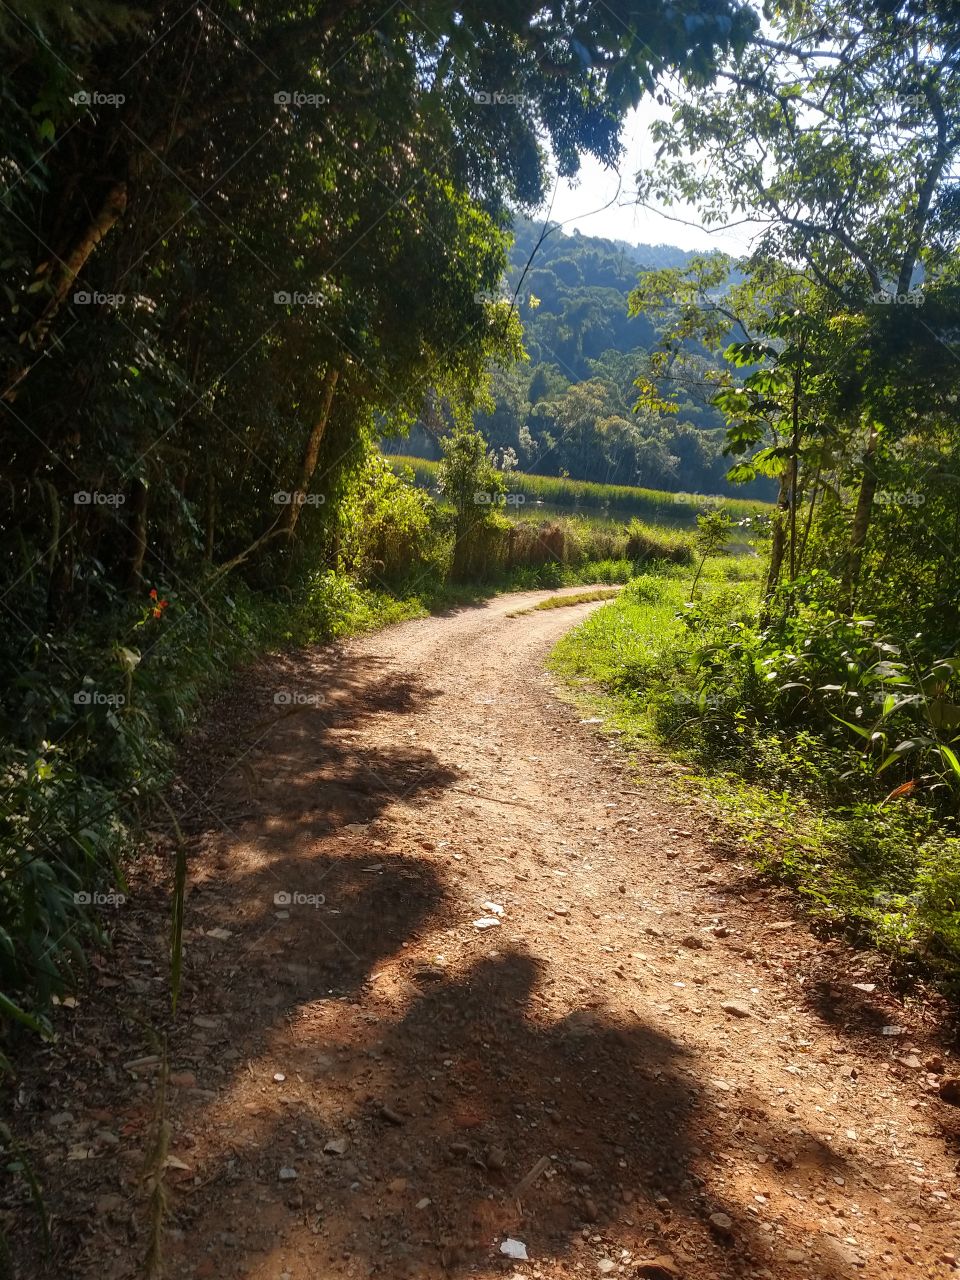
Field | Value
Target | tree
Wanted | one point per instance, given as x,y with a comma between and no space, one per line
843,151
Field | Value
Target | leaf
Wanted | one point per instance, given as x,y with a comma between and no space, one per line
864,733
903,790
950,758
129,658
11,1010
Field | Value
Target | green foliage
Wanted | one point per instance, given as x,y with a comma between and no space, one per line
570,407
782,721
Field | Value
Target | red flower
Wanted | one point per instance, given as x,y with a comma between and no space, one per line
153,594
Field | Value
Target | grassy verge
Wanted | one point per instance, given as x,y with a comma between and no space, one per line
564,602
887,875
626,499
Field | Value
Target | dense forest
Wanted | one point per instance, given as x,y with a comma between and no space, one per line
571,408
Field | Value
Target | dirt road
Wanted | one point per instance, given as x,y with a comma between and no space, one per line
455,976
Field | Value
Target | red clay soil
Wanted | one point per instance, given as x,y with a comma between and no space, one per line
644,1066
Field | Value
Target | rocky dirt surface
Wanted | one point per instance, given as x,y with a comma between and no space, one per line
465,995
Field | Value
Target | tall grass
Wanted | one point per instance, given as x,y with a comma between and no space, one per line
508,545
623,498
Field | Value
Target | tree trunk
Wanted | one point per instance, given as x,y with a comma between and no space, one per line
211,517
861,524
794,470
35,337
138,536
779,543
312,451
809,520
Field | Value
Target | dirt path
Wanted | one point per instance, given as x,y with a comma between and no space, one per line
363,1078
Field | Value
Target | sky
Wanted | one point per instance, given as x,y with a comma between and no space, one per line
576,205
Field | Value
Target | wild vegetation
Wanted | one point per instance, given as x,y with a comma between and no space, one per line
824,699
571,408
244,248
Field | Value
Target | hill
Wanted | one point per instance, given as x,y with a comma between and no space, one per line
568,410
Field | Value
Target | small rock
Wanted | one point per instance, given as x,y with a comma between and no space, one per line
659,1268
496,1158
606,1265
692,941
388,1113
514,1249
935,1065
396,1185
581,1168
110,1204
736,1009
486,922
950,1090
893,1031
287,1174
721,1223
422,1204
794,1255
335,1147
183,1079
429,973
279,1077
590,1211
868,987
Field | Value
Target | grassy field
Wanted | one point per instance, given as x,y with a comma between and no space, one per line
625,500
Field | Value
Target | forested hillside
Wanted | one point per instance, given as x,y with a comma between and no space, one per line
571,408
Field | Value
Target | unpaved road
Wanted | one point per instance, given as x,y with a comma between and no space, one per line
360,1083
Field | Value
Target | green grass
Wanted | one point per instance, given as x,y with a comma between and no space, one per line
886,875
624,499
